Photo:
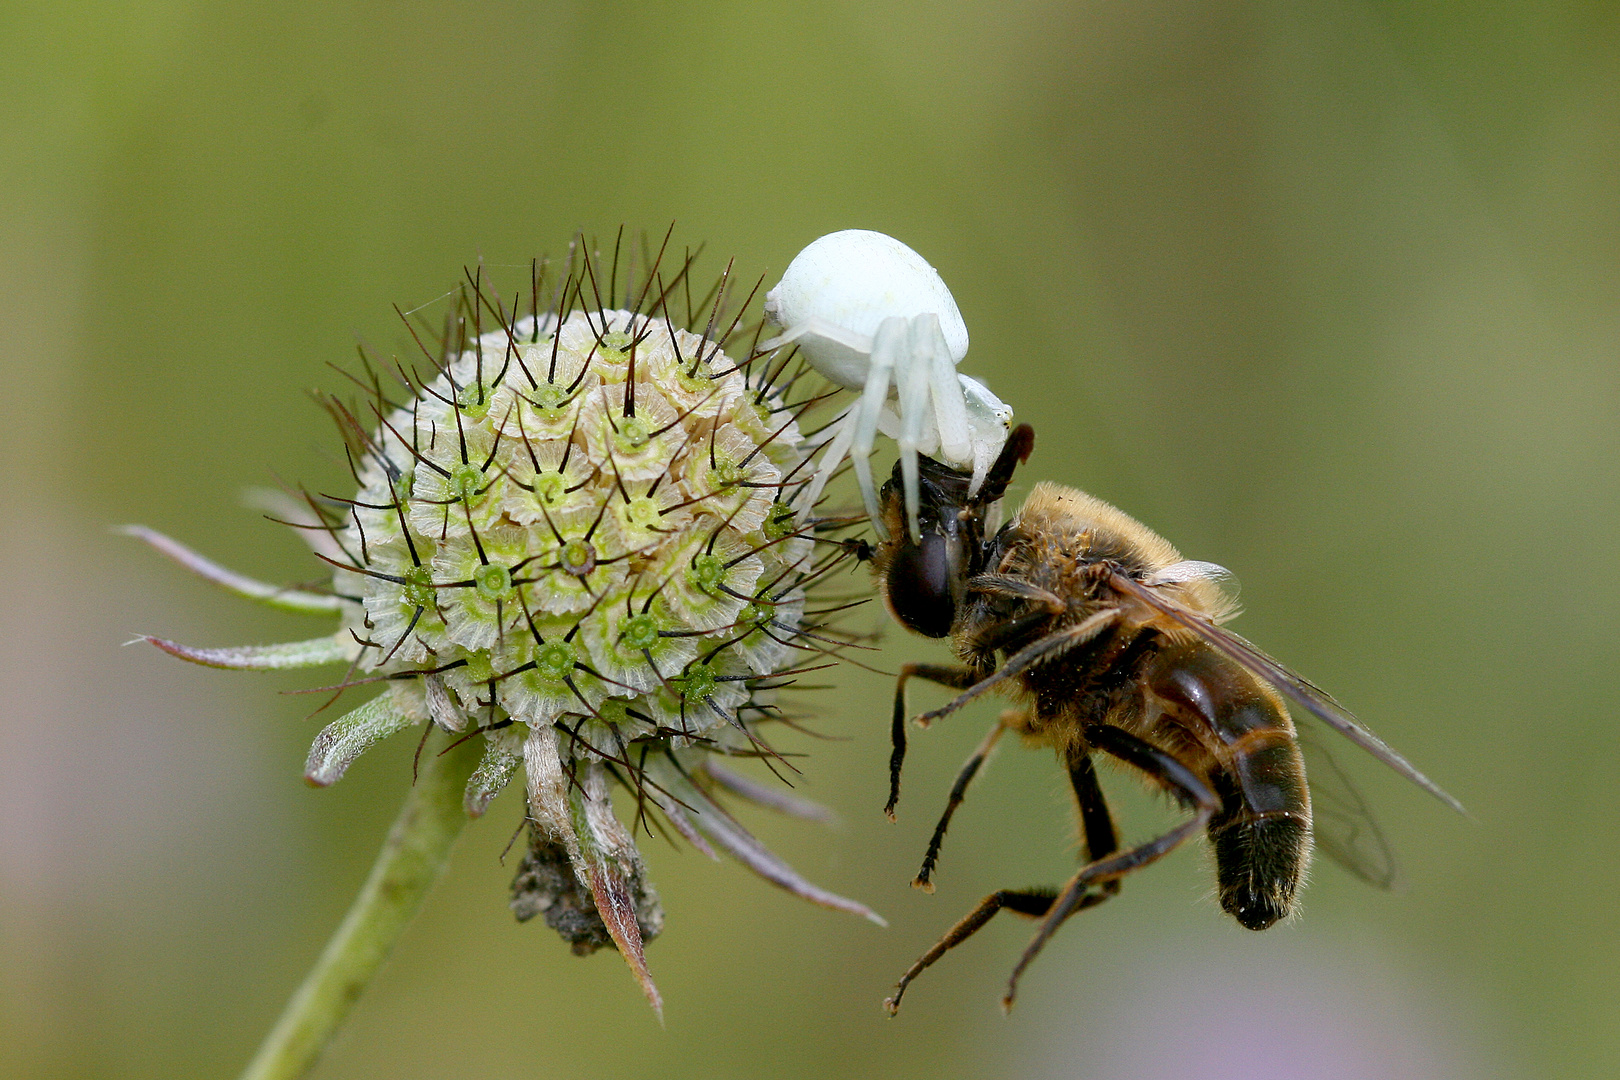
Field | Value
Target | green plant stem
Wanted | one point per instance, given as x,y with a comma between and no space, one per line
412,858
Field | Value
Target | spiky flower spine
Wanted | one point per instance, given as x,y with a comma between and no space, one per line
573,539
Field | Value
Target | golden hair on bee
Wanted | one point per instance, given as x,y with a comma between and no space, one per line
1068,518
1110,644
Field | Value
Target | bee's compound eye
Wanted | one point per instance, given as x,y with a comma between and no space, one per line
921,585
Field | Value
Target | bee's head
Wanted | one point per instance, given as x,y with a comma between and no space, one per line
924,581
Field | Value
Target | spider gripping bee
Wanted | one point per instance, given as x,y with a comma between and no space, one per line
1111,644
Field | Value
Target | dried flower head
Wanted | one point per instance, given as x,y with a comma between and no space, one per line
574,539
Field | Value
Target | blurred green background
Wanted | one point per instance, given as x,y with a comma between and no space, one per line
1326,292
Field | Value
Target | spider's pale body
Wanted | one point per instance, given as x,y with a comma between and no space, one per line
870,314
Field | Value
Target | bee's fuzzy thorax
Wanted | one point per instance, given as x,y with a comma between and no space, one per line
1096,529
1085,529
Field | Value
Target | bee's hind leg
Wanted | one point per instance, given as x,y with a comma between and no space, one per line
1096,828
1031,902
948,675
1178,779
970,769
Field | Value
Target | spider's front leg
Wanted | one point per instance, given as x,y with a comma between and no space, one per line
933,417
838,353
989,423
889,356
918,403
870,314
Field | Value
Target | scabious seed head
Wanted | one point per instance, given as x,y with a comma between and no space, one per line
574,539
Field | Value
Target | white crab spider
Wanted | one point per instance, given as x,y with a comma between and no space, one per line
867,311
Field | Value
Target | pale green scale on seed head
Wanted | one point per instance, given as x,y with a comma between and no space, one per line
639,632
643,512
479,668
473,400
697,682
467,481
611,356
418,590
548,410
769,425
576,557
706,573
779,524
695,381
643,523
493,582
549,396
632,434
555,660
736,480
550,489
639,648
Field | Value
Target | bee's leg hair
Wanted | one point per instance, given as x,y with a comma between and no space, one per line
1096,825
1030,902
970,769
1181,781
1043,650
957,678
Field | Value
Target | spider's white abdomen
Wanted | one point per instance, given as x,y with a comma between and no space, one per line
853,280
870,314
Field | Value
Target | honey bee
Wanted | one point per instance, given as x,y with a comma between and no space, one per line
1111,643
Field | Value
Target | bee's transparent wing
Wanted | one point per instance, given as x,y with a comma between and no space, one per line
1312,699
1342,825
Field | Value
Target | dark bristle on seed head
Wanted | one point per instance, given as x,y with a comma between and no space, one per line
575,538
